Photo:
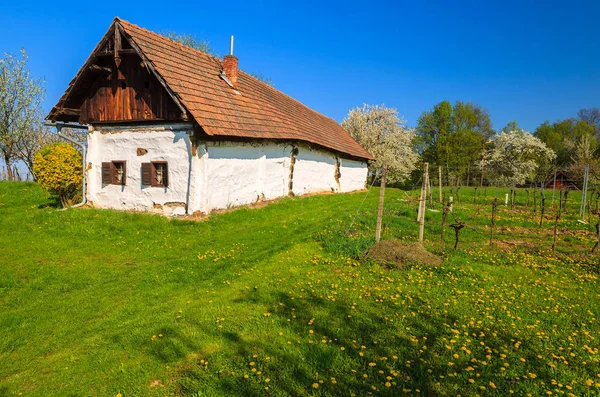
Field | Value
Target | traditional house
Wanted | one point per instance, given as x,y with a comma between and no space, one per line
176,130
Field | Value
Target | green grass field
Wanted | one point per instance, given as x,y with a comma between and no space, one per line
277,301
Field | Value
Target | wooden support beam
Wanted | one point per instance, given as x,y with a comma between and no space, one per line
100,69
126,51
68,112
117,45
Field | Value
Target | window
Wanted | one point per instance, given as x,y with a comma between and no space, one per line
155,174
114,173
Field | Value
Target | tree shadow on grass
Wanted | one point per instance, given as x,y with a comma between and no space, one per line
370,334
296,365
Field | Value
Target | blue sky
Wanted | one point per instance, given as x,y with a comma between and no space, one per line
524,61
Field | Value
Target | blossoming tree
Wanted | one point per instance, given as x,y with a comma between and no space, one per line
514,156
379,130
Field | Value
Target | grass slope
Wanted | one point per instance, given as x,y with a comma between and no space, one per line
273,301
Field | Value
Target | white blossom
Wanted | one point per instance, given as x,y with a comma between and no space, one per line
379,130
515,156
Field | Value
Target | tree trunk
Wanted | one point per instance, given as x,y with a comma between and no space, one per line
9,171
468,175
380,209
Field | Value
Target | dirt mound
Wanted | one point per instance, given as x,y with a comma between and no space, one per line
401,254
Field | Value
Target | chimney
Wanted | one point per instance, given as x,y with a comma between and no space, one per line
230,65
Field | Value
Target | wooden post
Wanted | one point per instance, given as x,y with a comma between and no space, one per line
482,162
380,209
512,196
542,206
553,188
422,202
440,180
584,192
429,193
555,230
444,217
494,205
597,234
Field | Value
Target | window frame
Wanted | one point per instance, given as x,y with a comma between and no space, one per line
113,172
153,173
112,169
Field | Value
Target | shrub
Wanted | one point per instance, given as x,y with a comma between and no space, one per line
58,170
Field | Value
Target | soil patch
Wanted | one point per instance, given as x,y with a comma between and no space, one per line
400,254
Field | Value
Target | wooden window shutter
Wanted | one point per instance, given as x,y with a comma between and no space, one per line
166,176
147,174
106,173
124,180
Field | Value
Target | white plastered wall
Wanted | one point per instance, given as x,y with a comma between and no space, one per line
231,174
169,143
222,174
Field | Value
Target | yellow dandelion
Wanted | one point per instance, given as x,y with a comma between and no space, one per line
315,385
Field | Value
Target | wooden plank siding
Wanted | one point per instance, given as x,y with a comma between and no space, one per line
129,93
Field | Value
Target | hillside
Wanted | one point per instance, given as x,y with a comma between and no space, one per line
278,301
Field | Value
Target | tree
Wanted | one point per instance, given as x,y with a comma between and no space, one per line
190,40
20,100
261,77
592,118
58,170
514,157
454,137
563,135
379,130
510,126
32,141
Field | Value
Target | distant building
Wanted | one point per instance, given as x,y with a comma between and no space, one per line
563,182
175,130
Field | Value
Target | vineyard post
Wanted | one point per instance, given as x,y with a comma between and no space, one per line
553,188
556,226
542,206
440,181
494,205
380,209
422,202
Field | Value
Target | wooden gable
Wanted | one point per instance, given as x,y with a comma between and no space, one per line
117,84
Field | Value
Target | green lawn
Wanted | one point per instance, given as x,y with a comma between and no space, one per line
276,301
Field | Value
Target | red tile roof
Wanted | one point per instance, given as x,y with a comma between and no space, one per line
259,112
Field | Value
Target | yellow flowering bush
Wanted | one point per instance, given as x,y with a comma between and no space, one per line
58,170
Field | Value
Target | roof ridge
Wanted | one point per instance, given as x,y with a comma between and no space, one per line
190,74
292,98
206,54
220,63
